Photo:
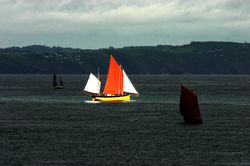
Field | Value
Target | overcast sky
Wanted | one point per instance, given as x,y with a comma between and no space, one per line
118,23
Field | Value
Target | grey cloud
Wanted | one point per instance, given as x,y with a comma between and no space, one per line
150,21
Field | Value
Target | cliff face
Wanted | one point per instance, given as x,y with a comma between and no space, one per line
193,58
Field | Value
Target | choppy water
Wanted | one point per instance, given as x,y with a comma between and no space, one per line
43,126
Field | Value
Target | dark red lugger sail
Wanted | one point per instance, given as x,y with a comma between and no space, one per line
189,106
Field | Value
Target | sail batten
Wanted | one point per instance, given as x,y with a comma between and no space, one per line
128,86
93,85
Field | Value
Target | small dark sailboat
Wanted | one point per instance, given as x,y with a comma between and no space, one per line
55,85
189,106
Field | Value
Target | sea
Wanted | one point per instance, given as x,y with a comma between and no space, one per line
43,126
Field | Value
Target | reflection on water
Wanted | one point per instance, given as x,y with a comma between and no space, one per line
91,102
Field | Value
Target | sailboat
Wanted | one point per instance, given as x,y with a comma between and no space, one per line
189,106
55,85
118,87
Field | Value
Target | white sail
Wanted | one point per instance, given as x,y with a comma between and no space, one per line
127,85
93,85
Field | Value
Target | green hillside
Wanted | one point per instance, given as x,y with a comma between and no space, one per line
193,58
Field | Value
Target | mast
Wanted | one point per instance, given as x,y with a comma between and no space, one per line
120,82
99,82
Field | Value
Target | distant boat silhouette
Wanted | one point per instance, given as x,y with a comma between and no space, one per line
189,106
55,85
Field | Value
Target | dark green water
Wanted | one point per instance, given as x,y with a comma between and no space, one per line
43,126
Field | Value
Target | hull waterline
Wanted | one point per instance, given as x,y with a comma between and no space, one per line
111,98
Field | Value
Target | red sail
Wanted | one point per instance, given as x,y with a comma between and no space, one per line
189,107
114,82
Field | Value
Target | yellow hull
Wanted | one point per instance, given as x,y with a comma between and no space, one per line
111,98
